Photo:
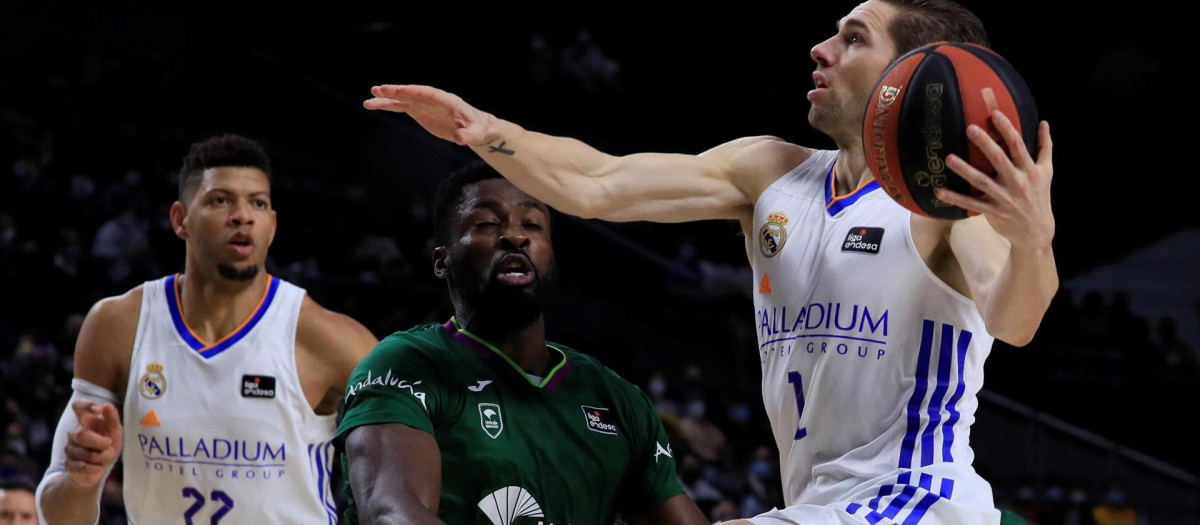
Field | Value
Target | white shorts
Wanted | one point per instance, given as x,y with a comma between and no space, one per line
943,512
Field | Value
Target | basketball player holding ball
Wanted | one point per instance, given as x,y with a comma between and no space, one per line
874,322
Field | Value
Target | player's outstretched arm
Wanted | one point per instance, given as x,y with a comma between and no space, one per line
395,472
580,180
1006,254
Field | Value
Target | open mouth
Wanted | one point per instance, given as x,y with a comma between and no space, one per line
515,270
241,243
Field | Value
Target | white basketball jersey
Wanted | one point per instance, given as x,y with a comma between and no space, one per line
221,433
870,363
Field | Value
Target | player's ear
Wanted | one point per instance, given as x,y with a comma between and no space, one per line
178,214
441,262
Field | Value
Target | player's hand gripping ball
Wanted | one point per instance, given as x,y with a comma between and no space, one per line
919,112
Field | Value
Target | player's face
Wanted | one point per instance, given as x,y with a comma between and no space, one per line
17,508
848,65
229,221
502,260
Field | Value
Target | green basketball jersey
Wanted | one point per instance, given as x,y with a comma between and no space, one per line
574,448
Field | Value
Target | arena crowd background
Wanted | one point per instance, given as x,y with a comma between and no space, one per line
99,101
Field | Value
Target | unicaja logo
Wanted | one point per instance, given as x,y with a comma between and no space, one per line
508,504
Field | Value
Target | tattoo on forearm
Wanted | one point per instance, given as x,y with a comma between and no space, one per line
500,149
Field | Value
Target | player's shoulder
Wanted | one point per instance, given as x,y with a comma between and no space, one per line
596,370
118,312
425,339
766,148
106,338
757,162
321,327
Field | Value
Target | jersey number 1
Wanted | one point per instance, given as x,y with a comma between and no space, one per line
798,385
217,495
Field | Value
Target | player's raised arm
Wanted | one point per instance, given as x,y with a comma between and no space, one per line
396,474
580,180
1006,255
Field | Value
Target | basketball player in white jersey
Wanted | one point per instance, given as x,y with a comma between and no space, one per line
873,322
227,378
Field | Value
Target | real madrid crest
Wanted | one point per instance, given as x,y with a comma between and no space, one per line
773,235
153,384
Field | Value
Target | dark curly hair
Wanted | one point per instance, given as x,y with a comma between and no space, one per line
220,151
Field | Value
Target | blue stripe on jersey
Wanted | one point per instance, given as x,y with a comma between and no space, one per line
945,361
926,482
872,516
964,341
315,453
177,317
918,396
884,491
947,488
918,512
330,504
900,501
246,328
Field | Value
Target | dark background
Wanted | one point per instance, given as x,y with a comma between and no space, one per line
126,87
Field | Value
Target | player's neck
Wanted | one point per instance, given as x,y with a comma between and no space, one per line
850,171
213,306
526,346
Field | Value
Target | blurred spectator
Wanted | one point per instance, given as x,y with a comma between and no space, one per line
17,505
1079,506
1114,508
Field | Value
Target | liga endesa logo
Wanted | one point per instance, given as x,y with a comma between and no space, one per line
862,239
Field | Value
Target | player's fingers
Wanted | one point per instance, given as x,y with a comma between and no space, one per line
994,153
84,409
112,421
1017,153
86,455
1045,150
386,104
967,203
88,438
978,179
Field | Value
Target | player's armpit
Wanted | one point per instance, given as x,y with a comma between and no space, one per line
395,473
328,347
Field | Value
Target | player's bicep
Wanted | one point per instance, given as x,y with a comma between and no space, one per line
394,470
668,188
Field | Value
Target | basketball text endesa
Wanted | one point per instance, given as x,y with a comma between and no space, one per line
932,132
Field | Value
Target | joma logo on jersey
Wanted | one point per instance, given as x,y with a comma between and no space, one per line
258,386
491,420
599,420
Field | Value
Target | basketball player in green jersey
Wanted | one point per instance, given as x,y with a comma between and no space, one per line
481,420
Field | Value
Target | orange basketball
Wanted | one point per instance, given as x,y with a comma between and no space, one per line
919,112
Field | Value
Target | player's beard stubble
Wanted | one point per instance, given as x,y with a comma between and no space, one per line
234,273
500,307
